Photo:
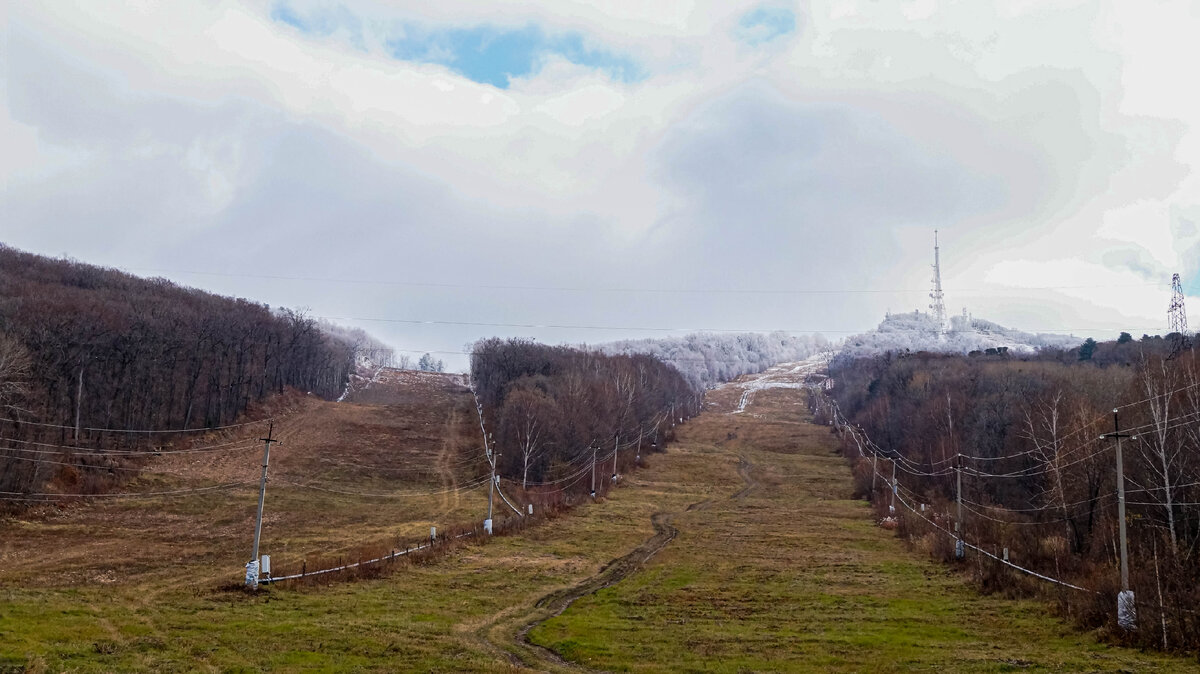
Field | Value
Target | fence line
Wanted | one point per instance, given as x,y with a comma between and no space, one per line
394,554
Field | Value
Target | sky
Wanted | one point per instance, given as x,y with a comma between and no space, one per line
581,172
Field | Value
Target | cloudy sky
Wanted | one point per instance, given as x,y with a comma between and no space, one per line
584,171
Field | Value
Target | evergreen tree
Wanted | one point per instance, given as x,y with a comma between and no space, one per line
1087,349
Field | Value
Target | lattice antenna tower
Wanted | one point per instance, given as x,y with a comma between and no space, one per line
1177,317
939,299
1177,314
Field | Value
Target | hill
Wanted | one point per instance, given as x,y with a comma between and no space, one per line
918,331
708,359
96,360
741,548
383,466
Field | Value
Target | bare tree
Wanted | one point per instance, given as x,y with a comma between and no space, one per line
523,421
15,367
1160,383
1044,428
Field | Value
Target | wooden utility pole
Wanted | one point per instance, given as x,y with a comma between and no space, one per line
252,567
616,448
895,488
492,456
594,447
958,519
875,471
1126,611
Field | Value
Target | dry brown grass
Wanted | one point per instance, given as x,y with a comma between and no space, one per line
773,568
417,433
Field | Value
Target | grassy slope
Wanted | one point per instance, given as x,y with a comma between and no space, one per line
788,575
397,441
792,575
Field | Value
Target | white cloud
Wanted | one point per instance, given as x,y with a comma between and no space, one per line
1040,137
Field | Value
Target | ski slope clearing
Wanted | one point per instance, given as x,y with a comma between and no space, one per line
382,467
785,375
739,549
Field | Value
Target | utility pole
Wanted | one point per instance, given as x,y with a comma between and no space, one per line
959,546
875,471
1126,609
593,470
487,524
252,567
616,447
895,488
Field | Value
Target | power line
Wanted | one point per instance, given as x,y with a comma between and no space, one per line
470,486
133,430
69,449
21,496
601,289
631,328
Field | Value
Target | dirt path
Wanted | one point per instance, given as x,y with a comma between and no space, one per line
744,468
506,633
446,463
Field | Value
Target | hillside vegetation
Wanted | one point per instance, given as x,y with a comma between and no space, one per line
1037,477
708,359
739,549
84,349
555,408
912,332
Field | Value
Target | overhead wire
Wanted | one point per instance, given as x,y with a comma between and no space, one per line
27,496
141,431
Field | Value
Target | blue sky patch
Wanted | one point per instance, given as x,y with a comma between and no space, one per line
765,23
494,55
322,22
485,53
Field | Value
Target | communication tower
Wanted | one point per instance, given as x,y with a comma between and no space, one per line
939,303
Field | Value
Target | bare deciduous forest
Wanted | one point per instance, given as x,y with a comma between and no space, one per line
551,403
84,348
1037,478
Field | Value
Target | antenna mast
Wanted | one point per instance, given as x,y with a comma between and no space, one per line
1177,317
939,304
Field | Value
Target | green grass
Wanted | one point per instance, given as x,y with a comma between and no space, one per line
792,577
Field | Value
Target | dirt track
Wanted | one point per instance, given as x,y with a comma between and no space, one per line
506,633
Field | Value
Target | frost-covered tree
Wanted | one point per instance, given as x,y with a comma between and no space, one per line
427,363
916,331
707,359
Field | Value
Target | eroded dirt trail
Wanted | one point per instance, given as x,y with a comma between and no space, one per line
507,633
446,463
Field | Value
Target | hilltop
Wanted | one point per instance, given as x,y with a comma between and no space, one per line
918,331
